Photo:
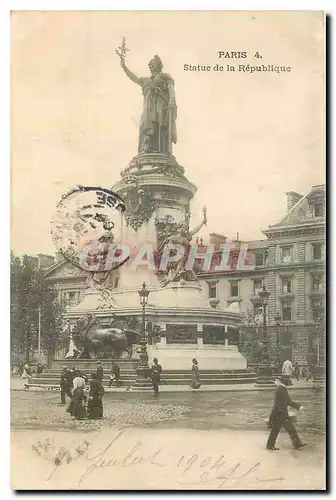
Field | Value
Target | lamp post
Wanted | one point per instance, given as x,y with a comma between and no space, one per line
142,380
277,319
265,368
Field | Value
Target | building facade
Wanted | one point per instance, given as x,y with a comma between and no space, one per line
290,261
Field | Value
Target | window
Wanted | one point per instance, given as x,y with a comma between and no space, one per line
318,210
72,298
317,282
212,290
286,312
65,299
259,258
286,254
316,308
234,289
257,286
318,251
257,312
286,285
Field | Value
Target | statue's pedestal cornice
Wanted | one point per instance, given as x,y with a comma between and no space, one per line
155,170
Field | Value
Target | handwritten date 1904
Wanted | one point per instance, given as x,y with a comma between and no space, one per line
220,471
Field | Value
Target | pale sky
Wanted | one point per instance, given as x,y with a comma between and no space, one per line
244,139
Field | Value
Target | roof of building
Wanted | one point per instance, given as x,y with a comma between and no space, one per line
283,221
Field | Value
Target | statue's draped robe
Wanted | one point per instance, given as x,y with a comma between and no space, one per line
102,280
158,124
176,269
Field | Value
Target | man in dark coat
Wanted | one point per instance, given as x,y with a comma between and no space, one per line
100,371
156,371
279,416
65,384
115,374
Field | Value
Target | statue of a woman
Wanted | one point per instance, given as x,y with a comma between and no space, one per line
182,236
158,119
101,279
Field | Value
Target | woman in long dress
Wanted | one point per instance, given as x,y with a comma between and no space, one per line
76,407
195,381
95,403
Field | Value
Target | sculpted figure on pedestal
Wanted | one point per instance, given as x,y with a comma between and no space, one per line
183,236
158,120
93,339
102,279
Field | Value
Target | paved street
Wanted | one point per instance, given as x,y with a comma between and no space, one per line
177,442
234,410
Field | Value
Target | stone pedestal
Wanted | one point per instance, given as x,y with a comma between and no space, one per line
153,186
157,197
179,356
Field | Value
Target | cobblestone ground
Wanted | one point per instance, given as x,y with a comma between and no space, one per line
192,410
44,411
178,441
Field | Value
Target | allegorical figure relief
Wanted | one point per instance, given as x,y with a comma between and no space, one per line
158,119
182,236
101,279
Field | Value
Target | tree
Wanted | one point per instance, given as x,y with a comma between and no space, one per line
34,306
250,336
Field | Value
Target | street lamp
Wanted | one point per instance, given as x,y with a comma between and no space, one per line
277,319
265,368
143,369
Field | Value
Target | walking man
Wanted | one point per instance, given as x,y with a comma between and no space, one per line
65,384
115,374
156,371
100,371
279,416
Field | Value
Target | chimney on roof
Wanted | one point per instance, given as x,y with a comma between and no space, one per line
217,239
45,260
292,199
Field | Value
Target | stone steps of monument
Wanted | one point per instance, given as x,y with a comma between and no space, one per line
168,378
91,364
210,373
176,382
130,375
51,376
213,381
57,376
131,367
165,376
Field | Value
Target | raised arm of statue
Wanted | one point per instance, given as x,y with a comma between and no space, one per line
196,229
129,73
199,227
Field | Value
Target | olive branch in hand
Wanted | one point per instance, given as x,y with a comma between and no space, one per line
122,50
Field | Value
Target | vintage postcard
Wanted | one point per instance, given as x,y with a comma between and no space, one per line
168,250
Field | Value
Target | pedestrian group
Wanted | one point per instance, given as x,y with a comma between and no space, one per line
82,405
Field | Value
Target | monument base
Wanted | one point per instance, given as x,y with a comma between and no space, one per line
179,357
